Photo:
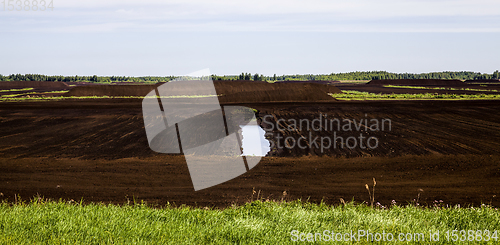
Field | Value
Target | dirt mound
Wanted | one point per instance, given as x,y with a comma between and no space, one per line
412,82
230,91
111,90
483,81
33,84
239,91
311,81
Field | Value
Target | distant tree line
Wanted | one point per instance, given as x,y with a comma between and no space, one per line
91,79
363,75
378,75
242,76
358,75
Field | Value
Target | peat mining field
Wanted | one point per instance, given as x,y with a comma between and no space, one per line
97,150
81,170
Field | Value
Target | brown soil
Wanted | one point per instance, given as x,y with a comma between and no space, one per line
230,91
415,82
483,81
312,81
33,84
416,128
245,92
38,88
385,90
97,150
111,90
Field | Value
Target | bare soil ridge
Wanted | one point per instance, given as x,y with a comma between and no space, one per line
229,91
97,150
415,82
483,81
33,84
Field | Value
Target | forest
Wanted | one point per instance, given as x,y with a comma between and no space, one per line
357,75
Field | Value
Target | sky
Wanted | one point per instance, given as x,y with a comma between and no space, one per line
177,37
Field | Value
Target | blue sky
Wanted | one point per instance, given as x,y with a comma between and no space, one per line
151,37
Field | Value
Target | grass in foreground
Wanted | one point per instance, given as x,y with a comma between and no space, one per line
356,95
256,222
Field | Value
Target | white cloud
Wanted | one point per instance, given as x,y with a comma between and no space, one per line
261,15
355,8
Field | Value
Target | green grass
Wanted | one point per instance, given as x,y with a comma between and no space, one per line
9,98
25,95
61,222
55,92
356,95
354,81
16,90
9,95
442,88
347,95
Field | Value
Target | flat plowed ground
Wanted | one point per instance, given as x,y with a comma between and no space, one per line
97,150
465,88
